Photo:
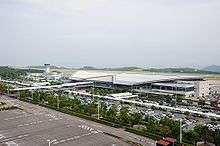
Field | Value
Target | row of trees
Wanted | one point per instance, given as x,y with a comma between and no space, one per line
11,73
202,133
112,114
171,99
101,91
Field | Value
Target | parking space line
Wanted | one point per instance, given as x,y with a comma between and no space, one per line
92,131
6,139
17,117
28,124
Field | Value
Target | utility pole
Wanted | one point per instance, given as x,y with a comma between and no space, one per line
98,109
181,134
176,91
19,94
32,94
58,99
58,102
113,80
93,90
38,96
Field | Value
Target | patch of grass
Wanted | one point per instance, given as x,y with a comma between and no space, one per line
213,78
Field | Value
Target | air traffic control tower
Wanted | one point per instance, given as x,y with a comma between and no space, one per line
47,69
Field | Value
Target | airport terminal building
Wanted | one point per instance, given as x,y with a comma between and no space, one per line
189,86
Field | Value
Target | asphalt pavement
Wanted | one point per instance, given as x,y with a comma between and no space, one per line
38,126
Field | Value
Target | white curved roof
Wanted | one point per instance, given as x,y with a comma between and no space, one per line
88,74
127,78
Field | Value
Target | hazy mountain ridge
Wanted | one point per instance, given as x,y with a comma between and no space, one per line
165,70
213,68
43,67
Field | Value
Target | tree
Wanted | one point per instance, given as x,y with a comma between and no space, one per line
77,106
201,102
112,114
135,118
214,103
151,125
173,125
103,110
25,94
173,103
123,116
92,108
191,136
36,97
168,99
42,96
65,102
217,138
51,99
179,99
11,73
205,134
164,130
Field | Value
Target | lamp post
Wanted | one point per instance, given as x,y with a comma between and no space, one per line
51,141
32,94
93,90
58,102
181,134
98,110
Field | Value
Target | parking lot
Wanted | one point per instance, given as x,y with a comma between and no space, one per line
27,129
36,126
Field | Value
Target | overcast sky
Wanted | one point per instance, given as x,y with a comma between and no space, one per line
106,33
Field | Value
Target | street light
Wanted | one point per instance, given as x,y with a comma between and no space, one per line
93,90
181,134
51,141
98,109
